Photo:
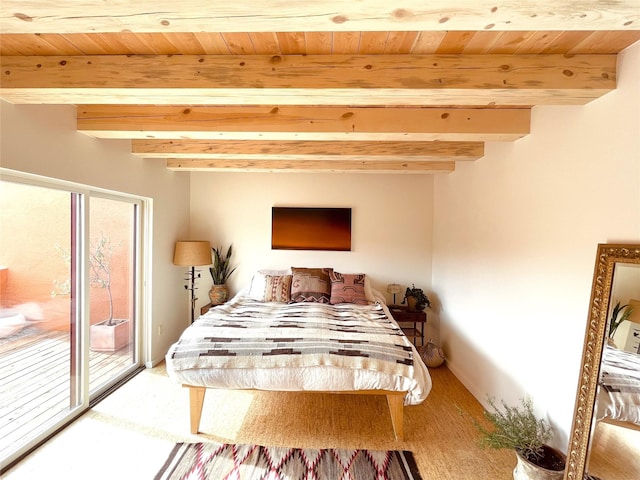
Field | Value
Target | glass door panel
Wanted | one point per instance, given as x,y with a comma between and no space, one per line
38,361
112,292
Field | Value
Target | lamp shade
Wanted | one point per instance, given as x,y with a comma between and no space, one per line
191,253
394,288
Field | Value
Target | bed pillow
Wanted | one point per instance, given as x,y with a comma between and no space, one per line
277,288
368,291
311,285
259,283
348,288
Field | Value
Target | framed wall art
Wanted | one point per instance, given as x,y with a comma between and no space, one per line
308,228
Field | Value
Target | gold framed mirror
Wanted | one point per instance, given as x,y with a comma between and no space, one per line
608,257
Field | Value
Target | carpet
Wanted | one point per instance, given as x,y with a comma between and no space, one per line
224,461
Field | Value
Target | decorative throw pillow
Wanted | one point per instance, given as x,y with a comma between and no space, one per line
368,291
348,288
311,285
258,283
277,288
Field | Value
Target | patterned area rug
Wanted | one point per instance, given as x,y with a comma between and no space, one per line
216,461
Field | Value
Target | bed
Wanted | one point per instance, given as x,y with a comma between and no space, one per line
283,341
618,400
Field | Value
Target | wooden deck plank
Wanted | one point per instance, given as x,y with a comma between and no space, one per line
20,391
36,384
20,370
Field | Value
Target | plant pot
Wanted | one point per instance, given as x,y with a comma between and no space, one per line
411,304
527,470
218,294
109,338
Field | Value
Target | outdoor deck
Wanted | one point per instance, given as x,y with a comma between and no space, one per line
36,382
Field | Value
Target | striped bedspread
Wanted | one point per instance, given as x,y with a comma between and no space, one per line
252,334
619,392
300,346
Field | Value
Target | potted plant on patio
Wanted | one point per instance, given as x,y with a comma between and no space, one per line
110,334
518,428
220,273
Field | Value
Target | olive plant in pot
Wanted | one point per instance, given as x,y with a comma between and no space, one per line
110,334
519,429
220,273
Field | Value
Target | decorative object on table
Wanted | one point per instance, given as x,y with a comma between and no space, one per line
192,253
250,462
415,299
519,429
220,273
394,288
431,354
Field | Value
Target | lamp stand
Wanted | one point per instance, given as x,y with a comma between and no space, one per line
191,275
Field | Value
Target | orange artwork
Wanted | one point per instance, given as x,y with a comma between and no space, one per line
297,228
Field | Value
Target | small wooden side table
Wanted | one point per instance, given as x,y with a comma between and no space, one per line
418,320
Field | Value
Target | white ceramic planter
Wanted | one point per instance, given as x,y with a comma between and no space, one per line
525,470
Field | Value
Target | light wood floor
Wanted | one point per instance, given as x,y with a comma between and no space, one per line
139,423
615,452
130,433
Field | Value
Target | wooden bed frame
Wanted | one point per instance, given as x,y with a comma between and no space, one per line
620,423
394,399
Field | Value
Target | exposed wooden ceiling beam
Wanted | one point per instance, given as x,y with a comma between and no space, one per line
292,150
308,79
303,123
296,166
30,16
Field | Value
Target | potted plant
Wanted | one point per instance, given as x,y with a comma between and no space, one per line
110,334
518,428
416,299
220,273
615,322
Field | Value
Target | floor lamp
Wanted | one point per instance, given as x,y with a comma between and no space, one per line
191,254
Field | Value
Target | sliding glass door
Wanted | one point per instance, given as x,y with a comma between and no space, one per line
70,285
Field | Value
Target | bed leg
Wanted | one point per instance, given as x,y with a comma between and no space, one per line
396,405
196,400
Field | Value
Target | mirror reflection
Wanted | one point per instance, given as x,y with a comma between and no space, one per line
615,442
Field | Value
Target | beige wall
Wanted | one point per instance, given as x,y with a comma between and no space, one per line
391,222
515,242
42,140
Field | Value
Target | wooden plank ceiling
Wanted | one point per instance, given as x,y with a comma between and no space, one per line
329,86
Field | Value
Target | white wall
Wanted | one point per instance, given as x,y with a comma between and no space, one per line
514,234
42,140
391,223
515,238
